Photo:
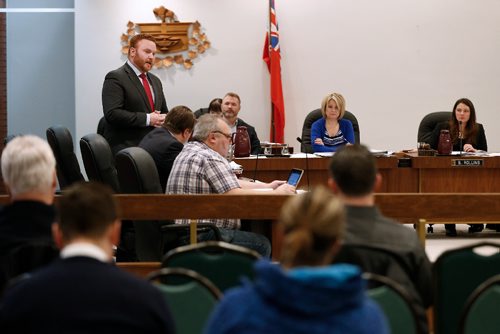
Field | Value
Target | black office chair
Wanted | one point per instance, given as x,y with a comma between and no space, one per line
428,123
99,161
200,112
101,126
8,138
312,117
61,142
137,174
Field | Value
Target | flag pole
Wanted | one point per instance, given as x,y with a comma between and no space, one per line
273,127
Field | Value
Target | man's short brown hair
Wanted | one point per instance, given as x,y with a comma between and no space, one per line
354,170
179,119
86,209
139,37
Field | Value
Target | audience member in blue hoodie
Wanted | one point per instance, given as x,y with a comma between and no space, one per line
305,294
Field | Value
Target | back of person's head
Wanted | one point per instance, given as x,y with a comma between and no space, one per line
339,100
86,209
354,170
28,165
205,125
313,224
179,119
215,106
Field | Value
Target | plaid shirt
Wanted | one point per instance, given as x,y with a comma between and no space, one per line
200,170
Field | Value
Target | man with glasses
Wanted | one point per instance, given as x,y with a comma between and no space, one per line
201,168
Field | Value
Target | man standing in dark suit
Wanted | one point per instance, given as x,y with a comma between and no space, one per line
132,98
165,143
83,292
231,105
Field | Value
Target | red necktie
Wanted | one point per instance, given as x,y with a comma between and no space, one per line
145,83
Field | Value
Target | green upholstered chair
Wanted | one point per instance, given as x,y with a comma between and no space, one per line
222,263
480,314
395,302
190,297
457,273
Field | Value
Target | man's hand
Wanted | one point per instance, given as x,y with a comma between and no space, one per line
156,119
276,183
285,189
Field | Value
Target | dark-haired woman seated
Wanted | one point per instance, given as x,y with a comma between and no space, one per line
466,131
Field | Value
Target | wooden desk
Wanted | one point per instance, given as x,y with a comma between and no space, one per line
423,174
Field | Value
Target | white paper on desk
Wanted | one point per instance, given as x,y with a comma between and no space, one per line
234,165
303,155
324,154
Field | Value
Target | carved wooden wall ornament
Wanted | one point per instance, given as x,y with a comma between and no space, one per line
177,42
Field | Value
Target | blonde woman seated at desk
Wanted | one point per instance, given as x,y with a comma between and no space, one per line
306,294
332,131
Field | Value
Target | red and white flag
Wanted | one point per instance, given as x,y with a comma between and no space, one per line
272,57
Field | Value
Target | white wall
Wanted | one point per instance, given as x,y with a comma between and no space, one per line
393,60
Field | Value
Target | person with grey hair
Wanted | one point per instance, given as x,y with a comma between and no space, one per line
29,174
201,168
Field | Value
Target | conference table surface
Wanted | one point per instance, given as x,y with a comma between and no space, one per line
402,173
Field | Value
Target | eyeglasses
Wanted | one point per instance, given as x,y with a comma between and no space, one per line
229,137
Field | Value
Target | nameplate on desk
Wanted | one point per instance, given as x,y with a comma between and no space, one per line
467,162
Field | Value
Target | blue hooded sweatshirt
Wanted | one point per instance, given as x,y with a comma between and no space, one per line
329,299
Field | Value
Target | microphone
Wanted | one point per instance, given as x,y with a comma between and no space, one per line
255,169
460,135
307,164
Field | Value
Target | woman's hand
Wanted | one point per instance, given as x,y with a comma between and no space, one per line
469,148
318,141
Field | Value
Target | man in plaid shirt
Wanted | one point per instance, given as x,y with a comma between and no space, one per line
201,168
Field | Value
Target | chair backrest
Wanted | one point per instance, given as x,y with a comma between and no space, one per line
480,314
190,296
61,142
101,126
429,122
389,264
99,161
200,112
395,303
137,173
222,263
8,138
312,117
457,273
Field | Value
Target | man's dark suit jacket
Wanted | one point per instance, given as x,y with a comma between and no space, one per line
84,295
23,223
254,140
164,148
125,105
